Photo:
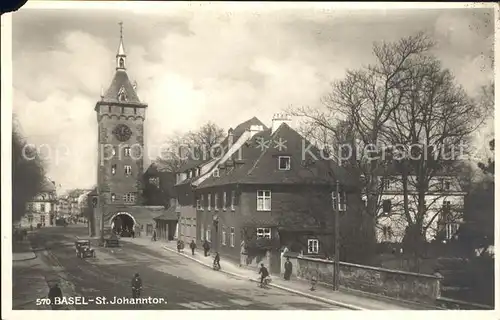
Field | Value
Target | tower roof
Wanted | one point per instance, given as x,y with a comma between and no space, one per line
121,85
121,90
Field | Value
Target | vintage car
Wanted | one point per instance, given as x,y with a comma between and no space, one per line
83,249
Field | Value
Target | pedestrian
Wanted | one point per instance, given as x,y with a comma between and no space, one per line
154,235
288,268
55,292
217,261
192,245
179,246
206,248
132,232
136,286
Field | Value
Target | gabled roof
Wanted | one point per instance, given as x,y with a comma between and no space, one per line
168,215
121,82
259,165
237,132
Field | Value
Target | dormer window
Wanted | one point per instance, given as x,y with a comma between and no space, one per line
122,95
284,163
216,173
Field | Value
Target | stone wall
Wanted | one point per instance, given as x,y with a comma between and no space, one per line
397,284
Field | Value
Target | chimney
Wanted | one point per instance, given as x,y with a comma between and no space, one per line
255,129
230,137
278,119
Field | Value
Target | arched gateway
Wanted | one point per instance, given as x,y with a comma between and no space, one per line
123,223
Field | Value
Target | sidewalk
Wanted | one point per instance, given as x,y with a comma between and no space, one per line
343,298
22,251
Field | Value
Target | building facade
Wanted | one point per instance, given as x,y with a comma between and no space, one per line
444,204
264,186
41,210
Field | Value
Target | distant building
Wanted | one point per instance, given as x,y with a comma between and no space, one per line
41,210
444,203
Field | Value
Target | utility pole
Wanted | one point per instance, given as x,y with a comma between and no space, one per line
336,265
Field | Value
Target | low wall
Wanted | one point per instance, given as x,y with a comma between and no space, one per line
402,285
255,261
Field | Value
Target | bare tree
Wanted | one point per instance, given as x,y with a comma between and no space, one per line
194,145
429,130
28,175
366,99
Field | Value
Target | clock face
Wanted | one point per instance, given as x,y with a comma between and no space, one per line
122,132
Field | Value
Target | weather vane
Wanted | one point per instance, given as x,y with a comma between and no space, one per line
121,29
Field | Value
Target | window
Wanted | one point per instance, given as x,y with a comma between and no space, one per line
386,206
113,169
387,232
42,207
223,240
231,238
342,206
128,170
216,201
30,206
42,219
451,230
154,181
198,203
233,199
113,197
446,211
446,184
113,151
284,163
129,197
224,200
209,199
216,173
202,232
202,204
263,200
386,184
30,219
312,246
127,152
209,235
264,233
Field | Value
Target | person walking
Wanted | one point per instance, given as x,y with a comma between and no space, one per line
154,235
55,292
192,245
288,269
217,261
206,248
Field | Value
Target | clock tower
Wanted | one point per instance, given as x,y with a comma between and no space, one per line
120,118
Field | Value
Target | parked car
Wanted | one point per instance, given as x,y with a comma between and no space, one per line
83,249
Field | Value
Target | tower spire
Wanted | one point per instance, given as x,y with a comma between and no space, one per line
120,55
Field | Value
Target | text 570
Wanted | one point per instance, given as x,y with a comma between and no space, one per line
43,302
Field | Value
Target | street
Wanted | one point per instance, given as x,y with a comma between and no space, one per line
182,283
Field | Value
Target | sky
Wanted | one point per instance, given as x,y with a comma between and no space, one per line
195,64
